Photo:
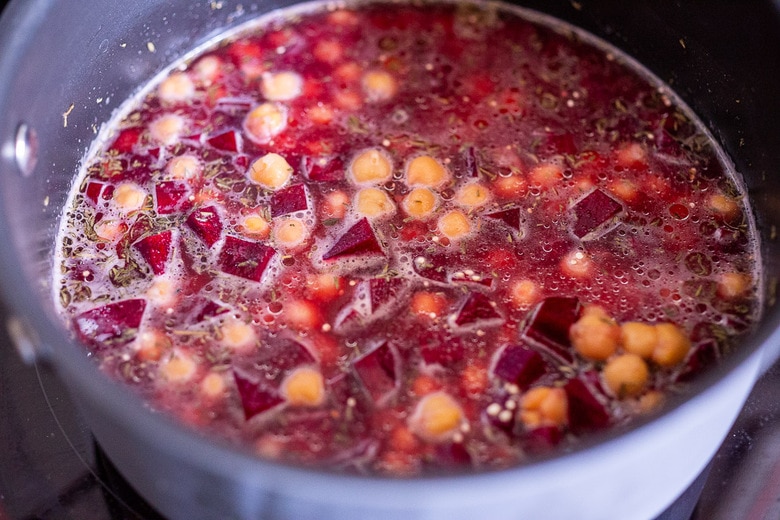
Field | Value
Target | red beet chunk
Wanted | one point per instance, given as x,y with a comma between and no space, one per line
126,140
115,323
703,356
323,169
377,370
286,355
476,308
542,439
229,141
443,351
519,365
359,240
432,266
206,224
384,292
586,413
549,325
245,259
156,249
511,217
450,456
256,396
289,200
593,211
169,196
93,190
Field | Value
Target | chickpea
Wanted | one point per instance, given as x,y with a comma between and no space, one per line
271,171
129,197
166,129
379,85
651,401
163,292
265,121
302,315
672,347
213,385
256,226
371,166
595,335
328,51
184,167
238,335
510,187
723,205
373,203
178,368
544,406
472,195
625,189
152,344
546,175
207,69
176,87
733,285
289,232
524,293
320,113
454,225
639,338
437,417
631,155
324,286
335,204
428,304
426,171
577,264
282,86
304,386
420,203
626,375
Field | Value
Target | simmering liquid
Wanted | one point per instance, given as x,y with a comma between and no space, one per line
403,239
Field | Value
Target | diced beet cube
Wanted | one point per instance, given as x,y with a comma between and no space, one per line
442,351
593,211
286,355
359,240
245,259
323,169
205,222
542,439
377,370
169,196
476,308
115,323
289,200
93,190
140,227
519,365
229,141
511,217
549,325
703,355
256,396
126,140
432,266
349,317
210,309
450,456
586,413
384,292
156,249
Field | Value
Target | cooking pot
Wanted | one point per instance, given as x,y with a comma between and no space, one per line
67,65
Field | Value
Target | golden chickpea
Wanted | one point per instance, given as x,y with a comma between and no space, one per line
238,335
454,225
472,195
371,166
577,264
264,122
428,304
426,171
420,203
651,401
546,175
282,86
626,375
544,406
379,85
213,385
510,187
302,315
335,205
524,293
304,386
733,285
631,155
178,368
271,171
672,347
289,232
129,197
638,338
176,87
437,417
166,130
255,226
152,344
723,205
184,167
595,335
373,203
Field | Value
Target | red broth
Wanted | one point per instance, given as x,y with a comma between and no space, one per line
407,239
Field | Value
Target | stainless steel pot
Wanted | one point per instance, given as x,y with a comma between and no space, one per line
66,65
